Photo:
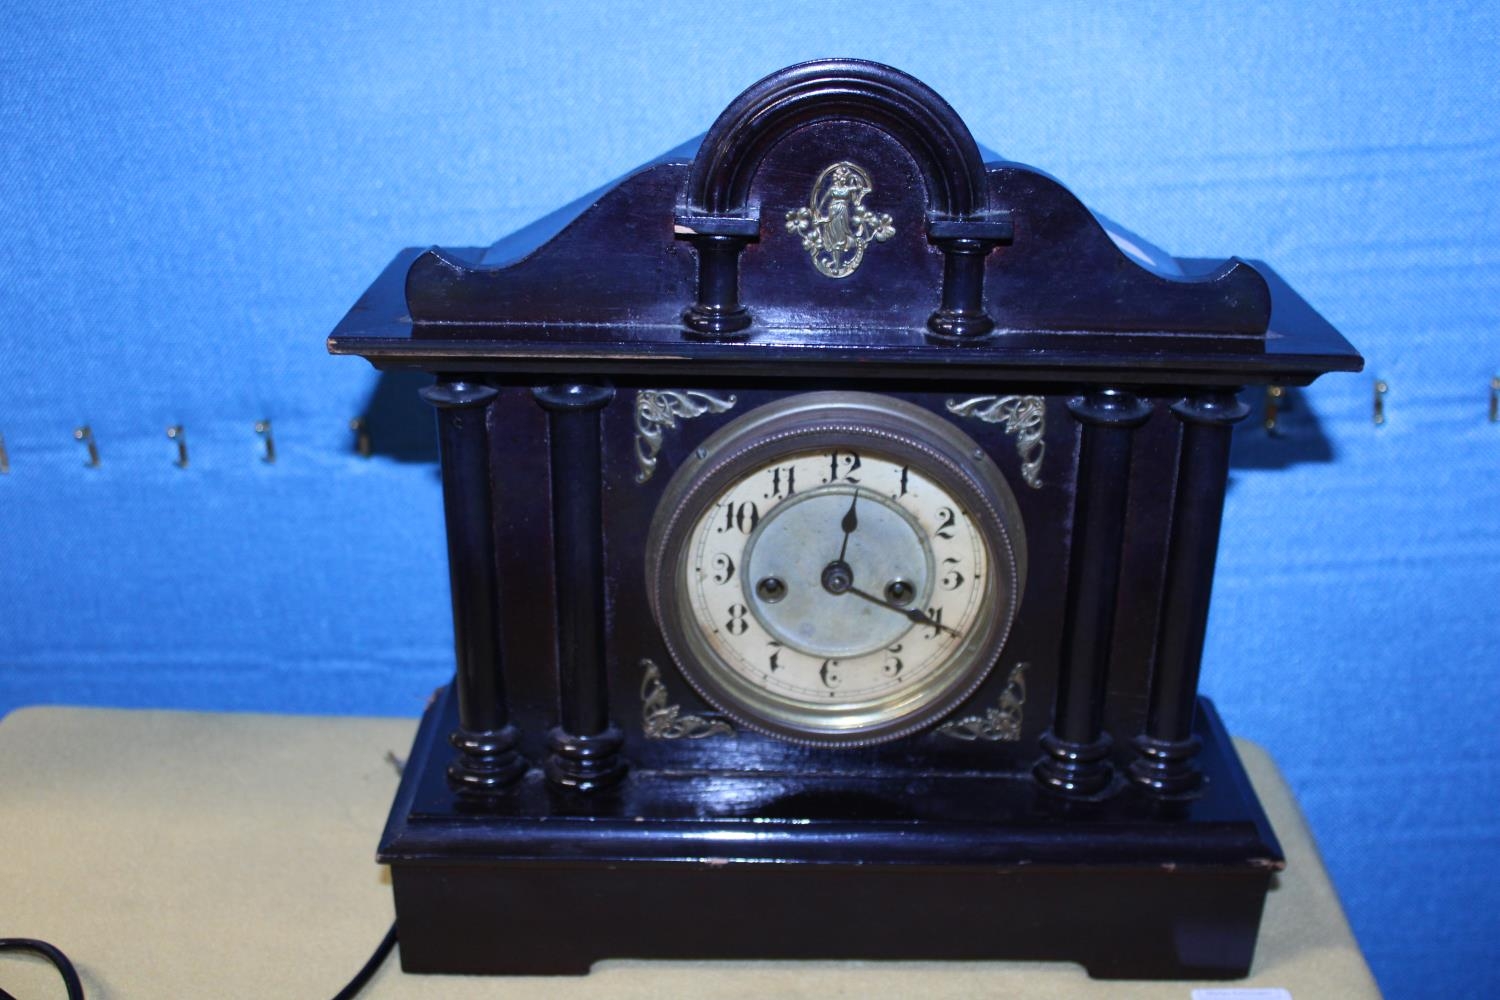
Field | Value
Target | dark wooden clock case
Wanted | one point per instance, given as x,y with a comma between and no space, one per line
569,798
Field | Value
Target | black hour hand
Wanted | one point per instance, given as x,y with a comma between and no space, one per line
848,524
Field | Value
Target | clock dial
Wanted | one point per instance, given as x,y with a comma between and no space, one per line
812,611
838,568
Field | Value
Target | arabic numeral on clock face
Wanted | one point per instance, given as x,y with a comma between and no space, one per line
952,579
892,667
934,623
737,623
842,466
774,663
783,482
829,672
945,526
723,568
741,517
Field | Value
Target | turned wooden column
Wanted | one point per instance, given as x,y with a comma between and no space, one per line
1076,748
584,748
1165,764
487,761
717,312
965,245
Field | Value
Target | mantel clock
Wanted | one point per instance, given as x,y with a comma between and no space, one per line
831,517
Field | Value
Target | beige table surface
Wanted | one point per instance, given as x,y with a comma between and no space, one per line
186,855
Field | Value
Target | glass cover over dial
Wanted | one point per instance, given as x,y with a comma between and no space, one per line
836,568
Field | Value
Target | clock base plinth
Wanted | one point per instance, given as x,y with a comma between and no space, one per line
1131,888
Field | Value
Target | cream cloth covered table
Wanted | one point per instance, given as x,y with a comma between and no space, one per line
179,856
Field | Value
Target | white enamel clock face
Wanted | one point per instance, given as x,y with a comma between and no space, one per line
837,568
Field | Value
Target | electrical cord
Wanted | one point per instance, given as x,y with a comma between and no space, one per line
382,952
51,954
75,987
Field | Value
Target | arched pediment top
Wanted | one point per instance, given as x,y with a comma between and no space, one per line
910,111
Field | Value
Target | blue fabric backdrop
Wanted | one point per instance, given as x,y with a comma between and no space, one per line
192,194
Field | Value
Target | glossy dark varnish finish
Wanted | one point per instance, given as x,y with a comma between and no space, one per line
808,865
487,761
568,828
1168,746
1076,750
584,746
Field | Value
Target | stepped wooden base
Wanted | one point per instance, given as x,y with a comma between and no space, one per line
989,867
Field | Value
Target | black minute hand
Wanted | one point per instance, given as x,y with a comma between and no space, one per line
912,614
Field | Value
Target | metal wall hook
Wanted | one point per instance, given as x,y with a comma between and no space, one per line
263,428
1275,400
176,433
1381,388
4,458
361,437
86,435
